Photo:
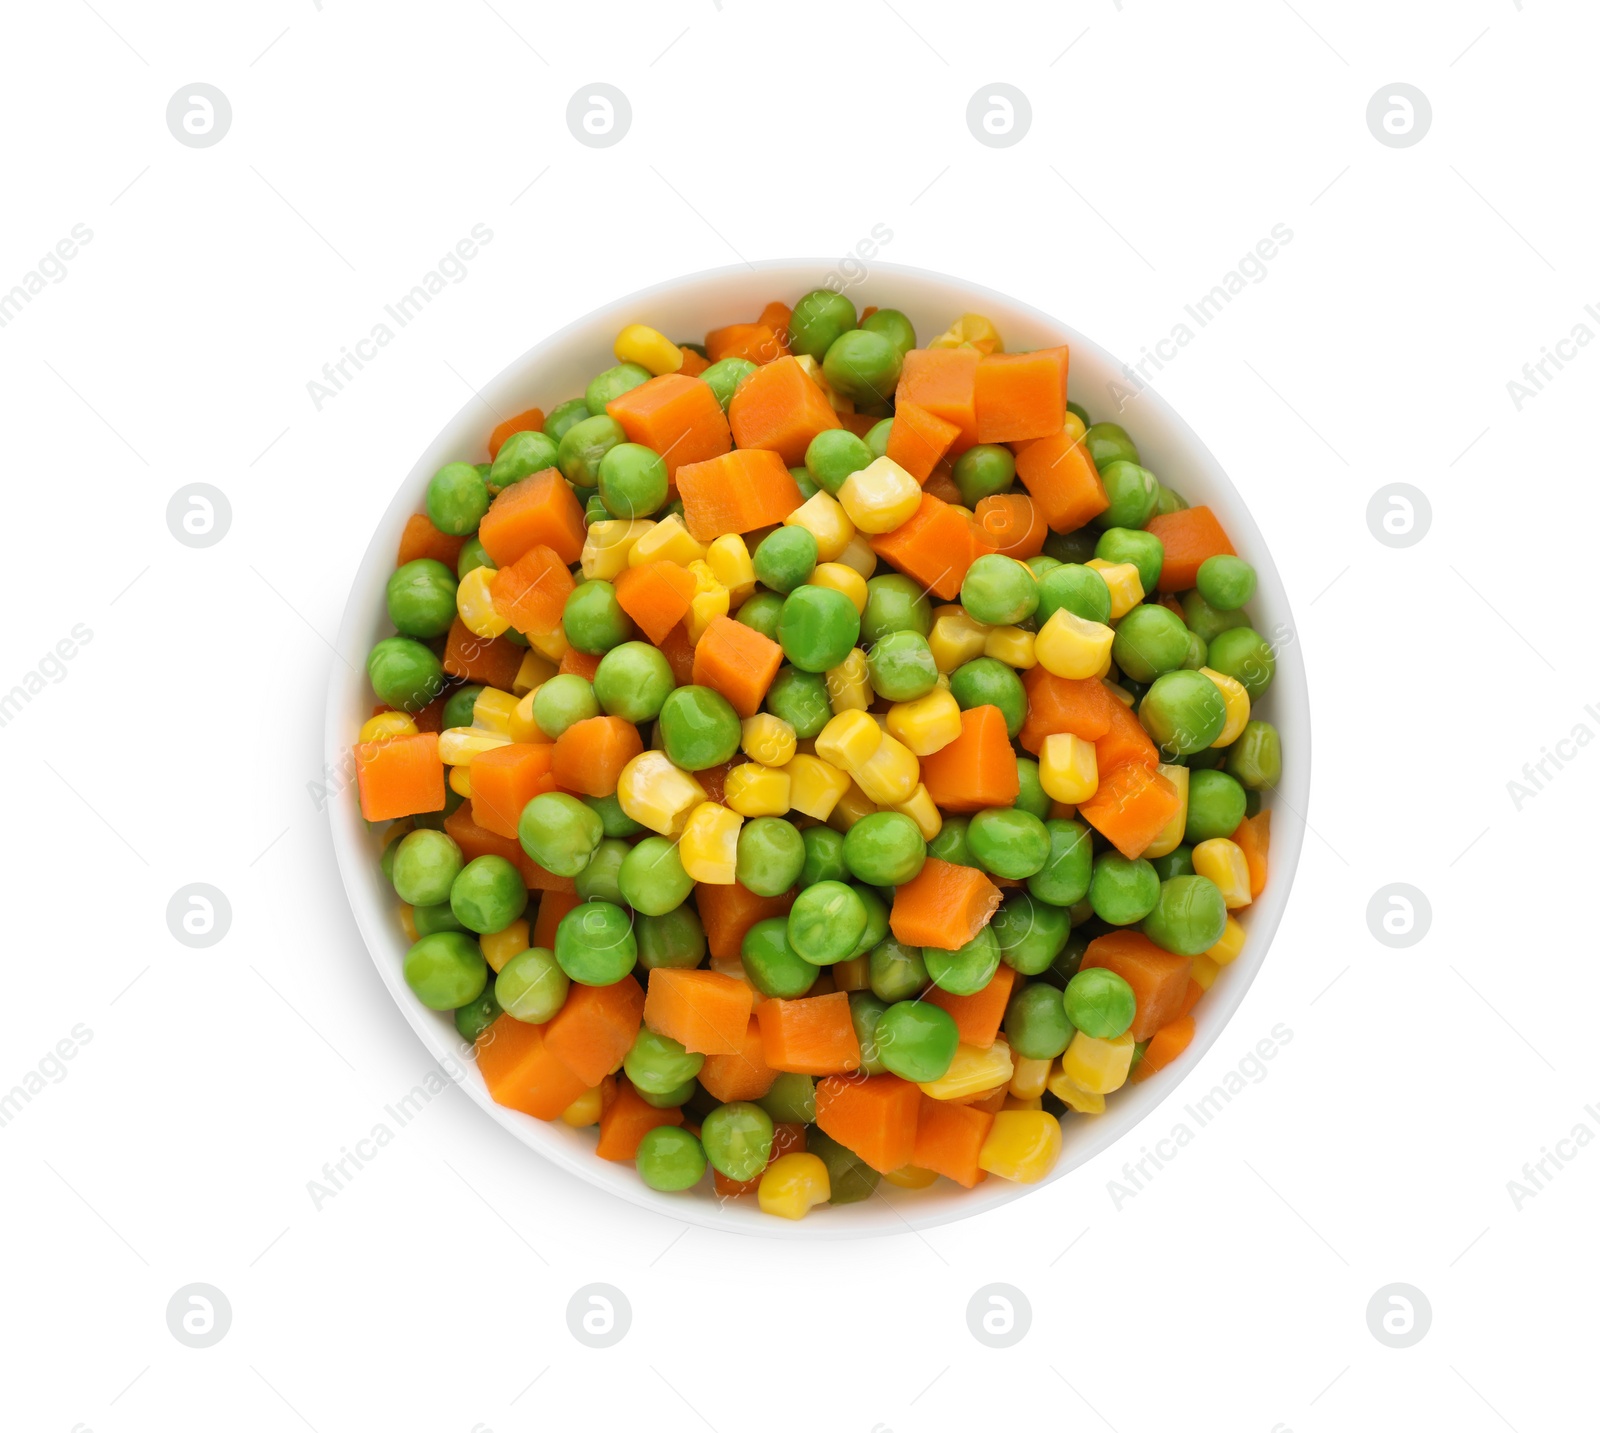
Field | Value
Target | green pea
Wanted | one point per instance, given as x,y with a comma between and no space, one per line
895,604
951,842
761,611
563,701
1208,622
877,439
1216,806
458,707
699,728
792,1099
1245,655
1081,590
1179,861
894,326
521,455
1183,712
1195,657
435,917
1031,795
801,699
1040,564
1150,640
632,681
488,894
850,1179
865,1012
670,1159
595,943
473,555
1189,916
863,365
531,987
967,969
771,963
658,1064
633,481
833,455
598,880
984,470
404,674
421,598
896,971
614,821
458,497
1064,878
986,681
476,1016
1036,1023
916,1040
673,941
817,320
583,446
999,590
817,628
1109,443
901,667
593,619
1255,760
770,855
1211,759
1029,932
559,832
613,383
1099,1002
651,878
1168,501
726,376
446,970
1008,843
595,510
877,917
1121,891
824,856
1132,491
785,558
884,849
426,864
737,1139
1071,547
1142,549
565,416
826,923
802,480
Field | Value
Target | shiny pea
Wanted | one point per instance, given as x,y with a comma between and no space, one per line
582,447
984,470
593,619
421,598
613,383
1008,842
801,699
1064,878
1029,932
1132,491
895,604
986,681
699,728
673,941
1036,1022
1216,806
651,877
1031,795
726,376
1123,891
488,894
658,1063
737,1139
865,1012
760,611
595,943
565,416
826,922
1189,916
457,499
1100,1003
1142,549
531,986
559,832
446,970
817,321
1255,760
521,455
916,1040
967,969
771,962
670,1159
896,971
770,855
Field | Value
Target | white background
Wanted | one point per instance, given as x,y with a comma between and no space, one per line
1167,139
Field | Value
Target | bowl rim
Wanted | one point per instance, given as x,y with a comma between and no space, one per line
353,848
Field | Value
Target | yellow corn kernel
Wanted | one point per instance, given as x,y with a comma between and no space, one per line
755,790
461,780
971,330
730,563
1122,694
920,808
1028,1078
655,793
408,924
858,554
386,725
956,638
459,744
709,843
1170,836
493,710
849,686
1098,1066
1068,770
649,348
813,370
1071,646
880,496
523,726
850,808
666,541
552,645
1237,702
793,1185
849,739
852,974
1073,427
766,738
1122,578
1203,971
1075,1097
608,544
1221,861
971,1072
733,967
815,785
838,577
1227,949
475,606
1011,645
1022,1145
535,671
825,520
585,1110
926,725
909,1176
499,947
704,608
1014,1102
891,774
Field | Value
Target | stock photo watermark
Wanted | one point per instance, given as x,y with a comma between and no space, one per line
1538,1173
1538,774
199,515
999,1315
49,270
50,670
199,1315
1537,374
49,1069
1399,1315
999,115
199,116
599,115
599,1315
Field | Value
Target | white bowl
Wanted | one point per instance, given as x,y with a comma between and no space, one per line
558,368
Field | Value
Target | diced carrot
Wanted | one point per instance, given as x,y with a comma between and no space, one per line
703,1011
949,1137
431,717
1191,997
728,912
1063,480
422,539
693,364
491,660
1188,537
1159,979
476,840
859,423
590,754
552,906
530,420
1019,396
531,594
942,484
581,664
1253,837
943,905
1125,741
754,341
787,1138
627,1121
1014,523
507,778
538,509
1131,807
675,414
679,652
399,776
1081,706
738,492
742,1075
1170,1041
522,1073
810,1036
934,546
918,438
656,595
977,1016
944,381
595,1028
978,768
777,316
738,662
782,408
875,1119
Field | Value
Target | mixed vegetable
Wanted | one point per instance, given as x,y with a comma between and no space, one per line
818,757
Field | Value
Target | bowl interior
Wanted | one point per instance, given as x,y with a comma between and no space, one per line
558,368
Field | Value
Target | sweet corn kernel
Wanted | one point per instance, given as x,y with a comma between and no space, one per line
755,790
493,710
920,808
858,554
499,947
956,639
1227,949
408,924
1071,646
459,744
552,645
926,725
1122,578
1237,702
1028,1078
649,348
709,843
461,780
971,330
853,974
386,725
475,604
850,808
1011,645
1221,861
766,738
1203,971
1122,694
813,370
655,793
1014,1103
1170,836
1098,1066
849,739
1073,427
891,774
523,726
909,1176
1068,770
609,543
971,1072
730,562
704,608
825,520
585,1110
535,671
793,1185
666,541
849,686
841,578
1075,1097
1022,1145
880,496
815,785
